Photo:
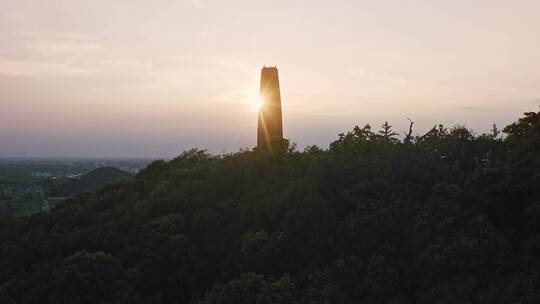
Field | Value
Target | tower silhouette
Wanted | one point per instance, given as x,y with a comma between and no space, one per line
270,126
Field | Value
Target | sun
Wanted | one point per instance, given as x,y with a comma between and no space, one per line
255,100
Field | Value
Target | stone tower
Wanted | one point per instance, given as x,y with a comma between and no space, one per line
270,127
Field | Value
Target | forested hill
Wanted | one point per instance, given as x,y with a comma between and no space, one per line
446,217
92,181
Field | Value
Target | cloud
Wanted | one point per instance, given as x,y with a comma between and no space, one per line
473,108
198,4
71,47
202,35
39,54
11,67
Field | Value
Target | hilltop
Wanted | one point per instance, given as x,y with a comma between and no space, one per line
444,217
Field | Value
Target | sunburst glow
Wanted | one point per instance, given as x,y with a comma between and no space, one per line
255,100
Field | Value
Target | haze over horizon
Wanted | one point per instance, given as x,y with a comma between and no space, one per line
134,79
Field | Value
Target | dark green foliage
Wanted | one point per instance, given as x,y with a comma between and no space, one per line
253,288
91,278
447,217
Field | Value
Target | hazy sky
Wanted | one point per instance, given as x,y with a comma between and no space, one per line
149,78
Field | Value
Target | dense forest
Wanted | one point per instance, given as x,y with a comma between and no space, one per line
449,216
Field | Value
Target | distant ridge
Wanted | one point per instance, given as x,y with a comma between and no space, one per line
92,181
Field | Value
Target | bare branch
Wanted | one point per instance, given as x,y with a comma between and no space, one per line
434,129
408,135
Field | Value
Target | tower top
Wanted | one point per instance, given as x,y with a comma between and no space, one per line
268,73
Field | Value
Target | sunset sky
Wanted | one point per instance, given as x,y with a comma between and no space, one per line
152,78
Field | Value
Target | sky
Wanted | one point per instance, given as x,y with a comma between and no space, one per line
139,78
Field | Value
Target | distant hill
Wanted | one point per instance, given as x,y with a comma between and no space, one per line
92,181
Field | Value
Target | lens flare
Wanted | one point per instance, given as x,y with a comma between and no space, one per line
255,100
